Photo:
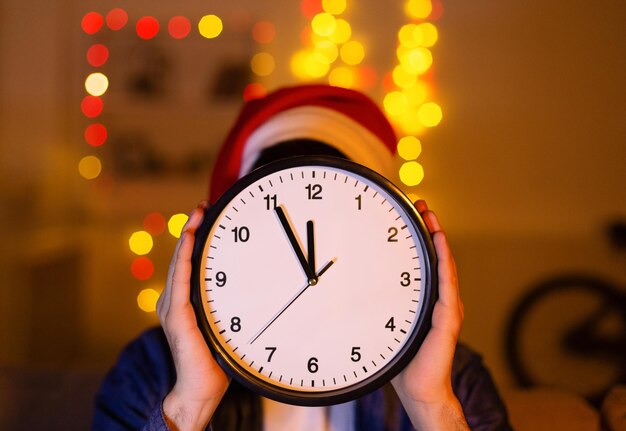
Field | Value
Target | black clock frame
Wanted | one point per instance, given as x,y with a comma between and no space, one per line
336,396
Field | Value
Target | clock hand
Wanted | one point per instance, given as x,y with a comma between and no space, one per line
308,270
296,296
310,240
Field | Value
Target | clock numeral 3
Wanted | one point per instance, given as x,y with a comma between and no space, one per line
312,365
235,324
314,191
406,279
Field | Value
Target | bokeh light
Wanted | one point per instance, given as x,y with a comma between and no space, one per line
341,77
342,33
395,103
409,147
176,223
89,167
116,19
178,27
96,84
91,106
210,26
154,223
326,51
323,24
140,242
254,91
262,64
310,8
403,78
418,9
334,7
97,55
411,173
352,52
92,22
429,114
95,134
147,27
429,34
263,32
147,300
142,268
410,36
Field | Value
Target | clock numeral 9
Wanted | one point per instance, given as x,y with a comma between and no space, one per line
220,279
312,365
393,232
314,191
356,355
406,279
235,324
390,325
270,202
242,234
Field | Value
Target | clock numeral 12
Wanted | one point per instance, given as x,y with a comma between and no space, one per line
314,191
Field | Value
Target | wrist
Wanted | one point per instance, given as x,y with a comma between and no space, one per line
184,414
441,413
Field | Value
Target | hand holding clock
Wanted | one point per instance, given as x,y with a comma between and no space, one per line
424,386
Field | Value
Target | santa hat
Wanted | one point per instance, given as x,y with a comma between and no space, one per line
344,119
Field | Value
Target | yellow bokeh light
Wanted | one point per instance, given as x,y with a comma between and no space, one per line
429,114
314,68
334,7
323,24
352,52
140,242
176,223
210,26
409,122
416,94
413,197
147,300
262,64
410,36
411,173
403,78
96,84
417,60
409,147
395,103
341,77
297,64
326,51
89,167
418,9
428,34
342,33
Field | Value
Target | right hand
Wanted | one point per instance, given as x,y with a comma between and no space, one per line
200,382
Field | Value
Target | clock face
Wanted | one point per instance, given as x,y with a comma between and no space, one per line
313,280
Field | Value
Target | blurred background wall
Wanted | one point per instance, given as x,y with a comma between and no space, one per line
525,167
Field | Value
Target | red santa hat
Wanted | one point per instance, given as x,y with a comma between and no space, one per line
344,119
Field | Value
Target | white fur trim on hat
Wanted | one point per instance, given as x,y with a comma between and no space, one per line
322,124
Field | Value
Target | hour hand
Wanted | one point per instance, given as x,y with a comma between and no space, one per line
308,270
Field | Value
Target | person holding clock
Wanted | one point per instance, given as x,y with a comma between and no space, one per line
168,378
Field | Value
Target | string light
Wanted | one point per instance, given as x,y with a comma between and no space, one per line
96,84
142,268
147,300
176,223
92,22
140,242
210,26
97,55
147,27
89,167
262,64
95,134
116,19
178,27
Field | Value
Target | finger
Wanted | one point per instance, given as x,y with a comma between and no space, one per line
421,206
446,271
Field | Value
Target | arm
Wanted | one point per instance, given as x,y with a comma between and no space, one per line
425,385
200,382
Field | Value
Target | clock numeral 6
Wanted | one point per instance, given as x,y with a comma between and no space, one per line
242,234
220,279
356,355
312,365
235,324
406,279
393,232
272,350
390,325
314,191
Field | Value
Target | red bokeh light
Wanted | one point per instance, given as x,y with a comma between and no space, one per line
388,83
154,223
310,8
263,32
117,19
179,27
254,91
366,77
142,268
437,11
91,106
147,27
97,55
305,35
95,134
92,22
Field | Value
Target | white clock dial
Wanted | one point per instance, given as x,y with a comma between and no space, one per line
331,307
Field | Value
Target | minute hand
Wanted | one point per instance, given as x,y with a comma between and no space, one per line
310,272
